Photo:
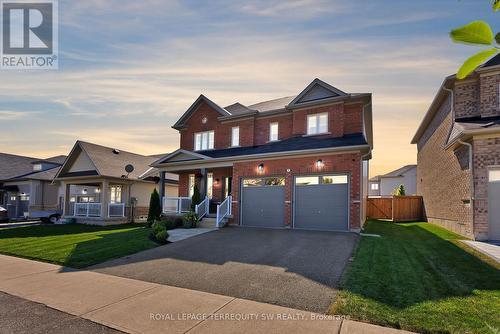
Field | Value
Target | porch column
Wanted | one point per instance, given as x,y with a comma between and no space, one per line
162,189
104,198
66,198
203,183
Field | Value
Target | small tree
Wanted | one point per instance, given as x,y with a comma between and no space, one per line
154,207
196,198
399,191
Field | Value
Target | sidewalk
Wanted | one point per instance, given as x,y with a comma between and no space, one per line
134,306
490,249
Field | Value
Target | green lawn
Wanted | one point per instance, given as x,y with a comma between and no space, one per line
418,277
74,245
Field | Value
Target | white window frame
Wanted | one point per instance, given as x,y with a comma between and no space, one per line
37,167
374,186
316,119
191,182
204,140
115,194
235,136
274,136
210,185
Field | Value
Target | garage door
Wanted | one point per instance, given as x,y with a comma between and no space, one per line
263,202
322,202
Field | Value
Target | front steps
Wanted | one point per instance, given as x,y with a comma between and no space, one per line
209,221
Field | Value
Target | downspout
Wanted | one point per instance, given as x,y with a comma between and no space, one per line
471,157
361,173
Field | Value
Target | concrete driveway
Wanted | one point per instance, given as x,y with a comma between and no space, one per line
291,268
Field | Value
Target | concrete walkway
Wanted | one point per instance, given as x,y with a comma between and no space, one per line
134,306
179,234
490,249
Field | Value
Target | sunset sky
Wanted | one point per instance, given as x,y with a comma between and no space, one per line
129,69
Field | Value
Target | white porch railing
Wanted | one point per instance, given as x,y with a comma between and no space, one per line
116,210
176,204
88,209
223,210
202,208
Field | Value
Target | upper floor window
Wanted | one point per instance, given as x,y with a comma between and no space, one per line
204,140
317,123
235,136
273,131
37,167
374,186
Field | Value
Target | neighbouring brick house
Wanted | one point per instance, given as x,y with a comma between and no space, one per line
299,161
463,125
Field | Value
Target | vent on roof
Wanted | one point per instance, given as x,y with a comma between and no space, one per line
115,151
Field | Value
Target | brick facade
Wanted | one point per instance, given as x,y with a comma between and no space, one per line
486,154
489,100
340,163
254,130
467,99
442,178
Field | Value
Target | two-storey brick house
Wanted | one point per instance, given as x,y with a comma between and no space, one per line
299,161
458,143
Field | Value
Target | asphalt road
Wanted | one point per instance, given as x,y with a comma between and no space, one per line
19,315
291,268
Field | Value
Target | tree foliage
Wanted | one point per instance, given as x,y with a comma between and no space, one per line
477,33
399,191
154,207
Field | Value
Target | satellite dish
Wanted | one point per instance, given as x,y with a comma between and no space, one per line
129,168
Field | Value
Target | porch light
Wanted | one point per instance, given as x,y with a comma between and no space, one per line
97,190
261,167
319,163
84,191
217,181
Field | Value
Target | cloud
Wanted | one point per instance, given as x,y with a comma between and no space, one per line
12,115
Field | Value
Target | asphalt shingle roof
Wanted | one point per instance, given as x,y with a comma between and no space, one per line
15,165
274,104
291,144
112,164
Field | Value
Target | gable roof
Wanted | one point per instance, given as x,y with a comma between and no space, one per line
317,90
202,98
399,172
109,162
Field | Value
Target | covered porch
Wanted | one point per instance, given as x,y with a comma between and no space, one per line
214,185
96,201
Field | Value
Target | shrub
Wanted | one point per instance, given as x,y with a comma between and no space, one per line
190,220
162,236
159,231
154,207
196,198
169,224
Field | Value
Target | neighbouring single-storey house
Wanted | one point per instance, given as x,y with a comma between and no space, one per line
296,162
458,143
384,185
26,188
103,185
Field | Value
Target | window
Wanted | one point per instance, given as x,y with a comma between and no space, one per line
204,140
115,194
191,185
374,186
494,175
24,197
210,184
273,131
235,136
268,181
324,179
317,124
13,198
37,167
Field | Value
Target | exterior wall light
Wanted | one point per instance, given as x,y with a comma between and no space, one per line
260,168
97,190
84,191
216,181
319,163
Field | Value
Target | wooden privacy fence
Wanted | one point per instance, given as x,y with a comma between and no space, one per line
395,208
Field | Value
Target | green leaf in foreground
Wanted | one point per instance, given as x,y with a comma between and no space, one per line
476,32
473,62
497,36
496,5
